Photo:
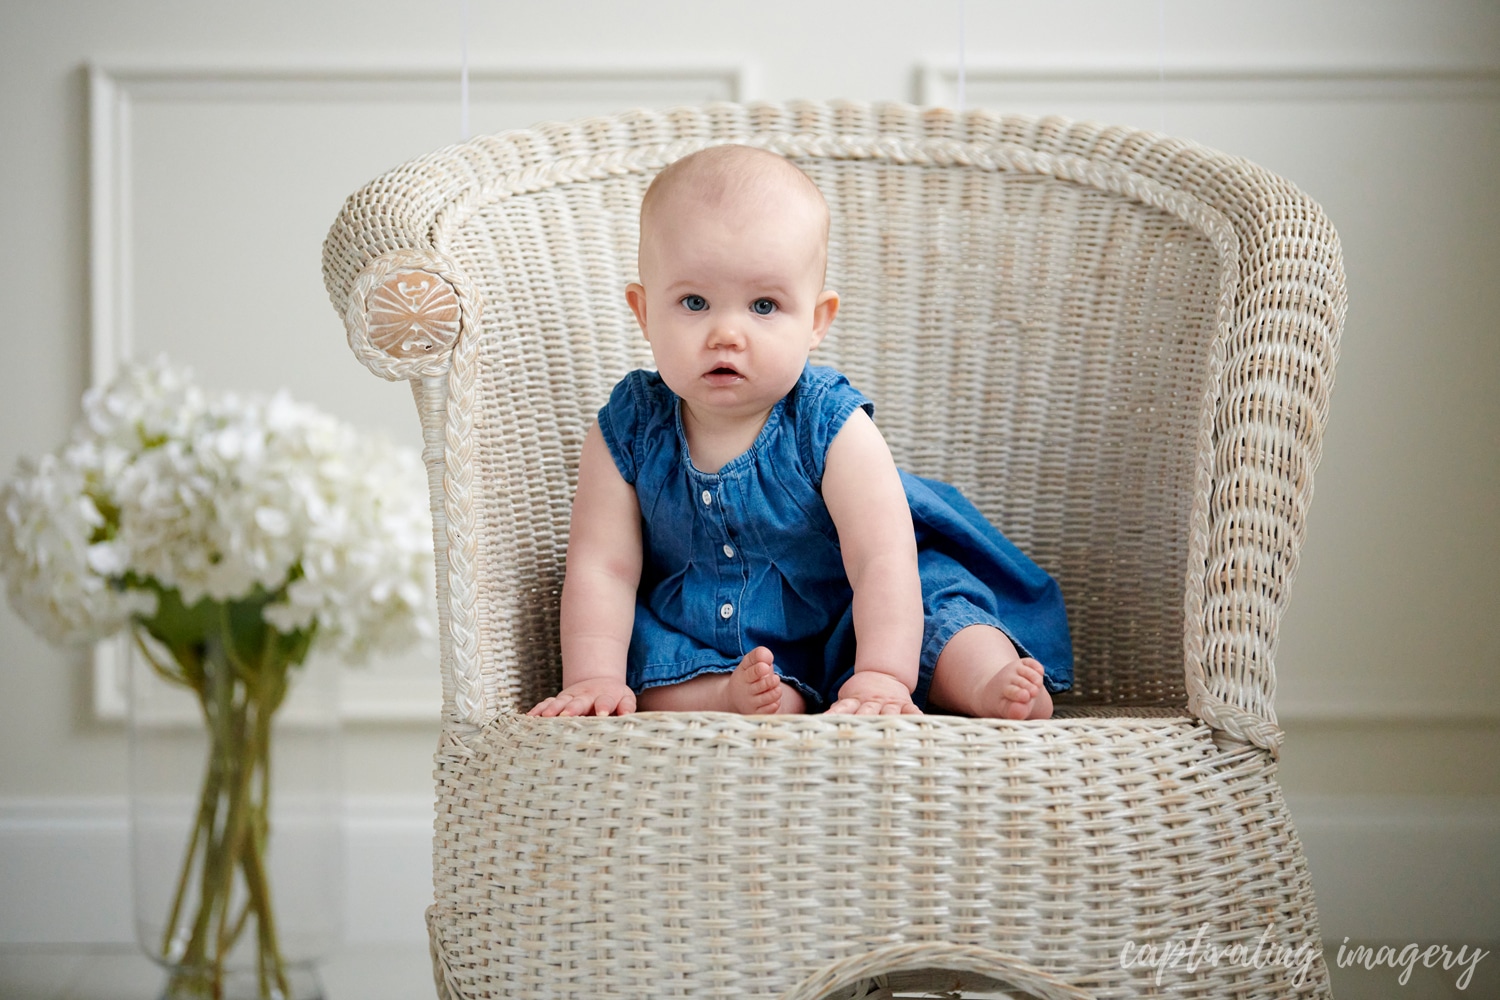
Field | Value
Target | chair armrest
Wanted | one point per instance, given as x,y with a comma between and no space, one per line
406,311
1276,371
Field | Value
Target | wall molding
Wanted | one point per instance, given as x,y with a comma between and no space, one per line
117,87
1399,868
1375,714
1152,94
991,79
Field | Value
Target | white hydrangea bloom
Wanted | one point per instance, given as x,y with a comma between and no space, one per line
355,582
218,500
56,580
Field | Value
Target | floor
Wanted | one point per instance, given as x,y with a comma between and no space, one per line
403,972
47,972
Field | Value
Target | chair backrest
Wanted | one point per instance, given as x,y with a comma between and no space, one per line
1043,312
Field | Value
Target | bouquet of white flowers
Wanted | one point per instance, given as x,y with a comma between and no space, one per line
231,536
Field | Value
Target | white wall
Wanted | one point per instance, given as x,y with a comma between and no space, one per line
1387,111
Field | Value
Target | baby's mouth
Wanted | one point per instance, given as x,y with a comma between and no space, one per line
723,375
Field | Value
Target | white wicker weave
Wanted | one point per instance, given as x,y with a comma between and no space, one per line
1119,345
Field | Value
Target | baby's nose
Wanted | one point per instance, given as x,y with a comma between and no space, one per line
725,334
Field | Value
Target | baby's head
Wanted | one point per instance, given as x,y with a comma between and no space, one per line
733,254
732,182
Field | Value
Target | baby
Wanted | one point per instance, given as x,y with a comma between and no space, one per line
739,520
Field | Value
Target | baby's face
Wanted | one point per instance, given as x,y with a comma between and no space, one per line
731,299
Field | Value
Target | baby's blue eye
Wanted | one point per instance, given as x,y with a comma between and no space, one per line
763,307
694,303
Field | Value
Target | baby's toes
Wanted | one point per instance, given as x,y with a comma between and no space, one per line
754,671
1030,673
763,679
763,698
1014,708
754,687
1017,692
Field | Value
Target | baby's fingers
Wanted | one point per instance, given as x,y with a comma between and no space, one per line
580,704
546,708
619,705
854,706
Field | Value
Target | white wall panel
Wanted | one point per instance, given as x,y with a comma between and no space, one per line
1402,157
65,868
212,187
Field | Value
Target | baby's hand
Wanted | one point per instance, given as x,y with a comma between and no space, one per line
870,692
597,696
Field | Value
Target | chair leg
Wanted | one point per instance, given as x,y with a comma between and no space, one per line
442,977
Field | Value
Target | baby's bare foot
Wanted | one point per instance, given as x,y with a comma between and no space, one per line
754,688
1016,692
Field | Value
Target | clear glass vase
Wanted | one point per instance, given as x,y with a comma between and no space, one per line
236,826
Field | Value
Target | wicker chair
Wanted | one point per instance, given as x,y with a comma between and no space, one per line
1119,345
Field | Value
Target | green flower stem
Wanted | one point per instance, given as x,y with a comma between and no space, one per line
271,691
202,963
231,845
167,673
238,667
208,799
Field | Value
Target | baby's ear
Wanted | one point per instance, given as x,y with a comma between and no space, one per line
635,295
824,310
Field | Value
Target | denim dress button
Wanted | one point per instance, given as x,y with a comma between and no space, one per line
726,610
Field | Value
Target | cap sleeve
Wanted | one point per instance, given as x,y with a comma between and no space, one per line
622,423
825,399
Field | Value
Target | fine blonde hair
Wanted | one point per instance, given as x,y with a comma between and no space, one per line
734,174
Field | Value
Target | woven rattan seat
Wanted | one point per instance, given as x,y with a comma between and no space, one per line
1119,345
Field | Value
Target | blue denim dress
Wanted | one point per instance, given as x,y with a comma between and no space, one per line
749,556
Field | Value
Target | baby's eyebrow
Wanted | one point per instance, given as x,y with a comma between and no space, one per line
770,289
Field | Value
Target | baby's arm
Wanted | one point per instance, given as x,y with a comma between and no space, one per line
868,505
598,596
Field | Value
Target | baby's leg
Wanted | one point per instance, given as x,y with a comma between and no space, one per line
980,674
752,688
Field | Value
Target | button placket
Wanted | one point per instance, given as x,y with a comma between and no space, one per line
717,506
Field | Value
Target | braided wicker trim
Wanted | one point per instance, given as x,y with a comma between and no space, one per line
470,702
438,353
1230,719
467,668
421,347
